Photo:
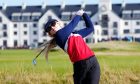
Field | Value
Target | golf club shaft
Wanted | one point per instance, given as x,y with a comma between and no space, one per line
41,51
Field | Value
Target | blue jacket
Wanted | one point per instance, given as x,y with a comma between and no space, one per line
63,34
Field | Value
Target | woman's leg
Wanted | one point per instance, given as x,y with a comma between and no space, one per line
80,71
87,72
93,75
93,72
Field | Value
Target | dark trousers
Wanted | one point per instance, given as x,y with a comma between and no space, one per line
87,71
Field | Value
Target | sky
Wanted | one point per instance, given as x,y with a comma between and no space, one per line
57,2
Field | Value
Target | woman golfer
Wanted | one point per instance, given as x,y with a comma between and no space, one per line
85,64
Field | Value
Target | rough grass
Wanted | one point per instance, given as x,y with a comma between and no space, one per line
117,66
116,46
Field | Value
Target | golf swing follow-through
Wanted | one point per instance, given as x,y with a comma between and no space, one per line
85,65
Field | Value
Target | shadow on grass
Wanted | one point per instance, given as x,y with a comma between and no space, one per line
100,49
54,50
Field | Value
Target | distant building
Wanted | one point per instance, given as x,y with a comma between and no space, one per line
22,26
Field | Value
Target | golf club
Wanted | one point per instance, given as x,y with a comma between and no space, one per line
34,60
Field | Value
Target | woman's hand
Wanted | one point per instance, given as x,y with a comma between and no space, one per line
80,12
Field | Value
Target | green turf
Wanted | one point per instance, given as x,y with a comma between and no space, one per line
121,67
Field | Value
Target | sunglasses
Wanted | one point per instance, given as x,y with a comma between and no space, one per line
53,23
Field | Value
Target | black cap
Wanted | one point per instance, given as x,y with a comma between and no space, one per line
48,25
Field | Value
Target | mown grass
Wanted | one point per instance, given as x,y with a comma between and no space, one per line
117,66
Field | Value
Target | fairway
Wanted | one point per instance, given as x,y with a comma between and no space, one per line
119,65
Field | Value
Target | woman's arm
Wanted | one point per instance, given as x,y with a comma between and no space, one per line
89,26
67,30
70,27
63,34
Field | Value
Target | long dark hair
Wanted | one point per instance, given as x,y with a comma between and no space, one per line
52,43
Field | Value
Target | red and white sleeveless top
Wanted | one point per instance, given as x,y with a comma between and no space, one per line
77,49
